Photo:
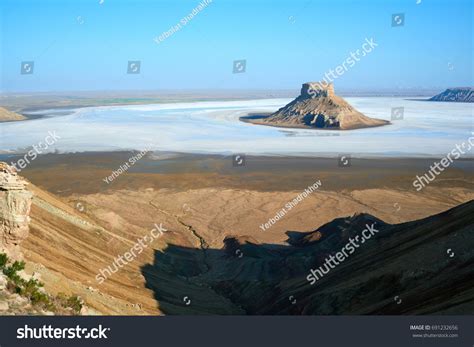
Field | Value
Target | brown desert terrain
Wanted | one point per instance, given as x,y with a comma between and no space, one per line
212,212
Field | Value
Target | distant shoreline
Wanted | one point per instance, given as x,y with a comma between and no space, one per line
83,172
26,104
157,156
22,102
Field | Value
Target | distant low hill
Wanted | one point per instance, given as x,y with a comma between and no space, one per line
464,94
9,116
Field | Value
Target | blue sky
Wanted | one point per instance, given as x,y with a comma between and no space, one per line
85,45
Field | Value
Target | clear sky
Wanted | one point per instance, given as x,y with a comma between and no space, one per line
86,44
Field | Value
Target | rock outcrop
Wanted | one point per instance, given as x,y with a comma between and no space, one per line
15,204
318,107
9,116
465,94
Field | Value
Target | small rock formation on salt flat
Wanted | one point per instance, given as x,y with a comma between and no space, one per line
317,107
15,204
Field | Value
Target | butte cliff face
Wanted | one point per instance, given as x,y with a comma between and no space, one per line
15,204
319,107
455,95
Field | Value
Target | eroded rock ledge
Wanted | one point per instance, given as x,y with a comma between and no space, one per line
15,205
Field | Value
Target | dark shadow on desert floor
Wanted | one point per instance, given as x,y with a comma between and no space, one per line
401,269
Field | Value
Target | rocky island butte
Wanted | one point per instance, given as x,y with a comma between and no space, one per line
317,107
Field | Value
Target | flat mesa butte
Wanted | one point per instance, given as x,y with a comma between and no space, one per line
317,107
